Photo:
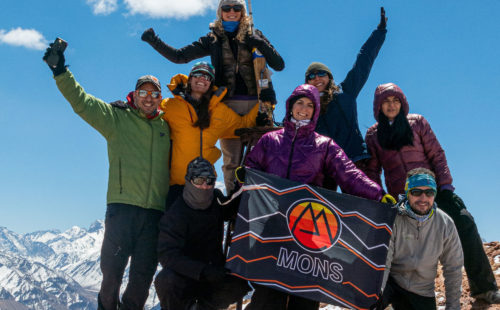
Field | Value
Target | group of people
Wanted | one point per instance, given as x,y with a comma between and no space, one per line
162,205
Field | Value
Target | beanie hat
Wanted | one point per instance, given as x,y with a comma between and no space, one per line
203,66
230,2
422,179
317,66
200,167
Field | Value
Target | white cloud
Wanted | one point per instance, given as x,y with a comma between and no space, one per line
103,7
29,38
179,9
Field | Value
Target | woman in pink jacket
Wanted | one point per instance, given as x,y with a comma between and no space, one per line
400,142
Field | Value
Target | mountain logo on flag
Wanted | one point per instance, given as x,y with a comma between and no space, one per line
313,225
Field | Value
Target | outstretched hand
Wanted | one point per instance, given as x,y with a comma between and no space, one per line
54,58
383,19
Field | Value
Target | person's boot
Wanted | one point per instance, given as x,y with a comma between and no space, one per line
491,297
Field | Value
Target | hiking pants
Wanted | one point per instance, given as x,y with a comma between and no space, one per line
476,263
402,299
231,148
130,231
179,292
265,298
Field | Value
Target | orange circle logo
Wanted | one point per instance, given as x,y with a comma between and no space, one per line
313,225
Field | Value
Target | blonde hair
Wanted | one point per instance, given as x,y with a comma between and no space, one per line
244,28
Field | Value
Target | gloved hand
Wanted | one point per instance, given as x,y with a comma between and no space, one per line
149,36
383,19
214,273
56,66
262,119
388,199
240,173
255,39
268,95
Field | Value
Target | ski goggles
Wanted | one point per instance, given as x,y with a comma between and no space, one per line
312,76
200,180
236,8
417,192
145,93
202,75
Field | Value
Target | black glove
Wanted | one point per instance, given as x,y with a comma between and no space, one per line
255,39
383,19
57,63
240,173
149,36
119,104
214,273
268,94
262,119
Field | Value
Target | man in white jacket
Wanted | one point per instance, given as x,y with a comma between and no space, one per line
422,236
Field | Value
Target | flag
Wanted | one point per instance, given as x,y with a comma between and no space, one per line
309,241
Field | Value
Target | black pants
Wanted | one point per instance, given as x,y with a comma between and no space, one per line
477,266
178,292
402,299
130,231
265,298
173,193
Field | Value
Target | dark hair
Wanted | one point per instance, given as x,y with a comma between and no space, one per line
395,136
415,171
329,93
200,106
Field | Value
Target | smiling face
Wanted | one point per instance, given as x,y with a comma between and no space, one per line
303,109
199,85
320,82
391,107
148,105
231,16
420,204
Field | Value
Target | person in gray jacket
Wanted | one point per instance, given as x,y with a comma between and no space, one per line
422,236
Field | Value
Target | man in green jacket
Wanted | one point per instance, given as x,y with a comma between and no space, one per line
138,141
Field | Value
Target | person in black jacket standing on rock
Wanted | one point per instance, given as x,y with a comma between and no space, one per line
190,247
339,113
229,45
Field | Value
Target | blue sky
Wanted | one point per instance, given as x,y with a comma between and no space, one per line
443,54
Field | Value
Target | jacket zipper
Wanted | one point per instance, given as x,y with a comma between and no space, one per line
150,163
291,154
418,230
120,174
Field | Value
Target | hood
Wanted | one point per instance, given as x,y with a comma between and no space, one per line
385,90
310,92
131,104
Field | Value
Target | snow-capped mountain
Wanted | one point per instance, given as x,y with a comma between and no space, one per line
53,270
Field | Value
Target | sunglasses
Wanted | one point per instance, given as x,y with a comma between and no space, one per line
201,180
236,8
417,192
144,93
202,75
312,76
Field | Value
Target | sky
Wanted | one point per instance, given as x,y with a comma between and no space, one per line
53,171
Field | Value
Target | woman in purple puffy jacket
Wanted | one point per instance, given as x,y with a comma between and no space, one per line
400,142
298,153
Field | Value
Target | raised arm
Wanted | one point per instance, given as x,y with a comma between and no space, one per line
94,111
357,77
197,49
